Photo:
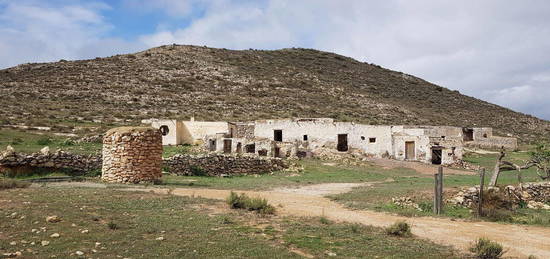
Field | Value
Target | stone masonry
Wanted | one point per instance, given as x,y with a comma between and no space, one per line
132,155
12,162
218,164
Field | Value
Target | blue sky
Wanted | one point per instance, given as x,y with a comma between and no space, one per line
494,50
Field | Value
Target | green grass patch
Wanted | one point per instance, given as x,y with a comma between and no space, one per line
315,172
29,142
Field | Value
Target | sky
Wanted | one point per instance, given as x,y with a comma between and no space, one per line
494,50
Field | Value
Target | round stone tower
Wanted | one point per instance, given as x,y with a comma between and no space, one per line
132,155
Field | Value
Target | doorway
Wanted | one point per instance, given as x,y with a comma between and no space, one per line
342,143
227,146
278,135
212,145
436,155
277,152
239,148
410,150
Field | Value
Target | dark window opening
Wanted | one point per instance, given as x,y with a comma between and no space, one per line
485,135
436,156
443,137
468,134
305,137
262,152
239,148
342,145
277,152
362,137
372,140
251,148
278,135
164,130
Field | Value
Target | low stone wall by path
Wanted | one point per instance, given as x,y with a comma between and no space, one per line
13,162
535,195
132,155
219,165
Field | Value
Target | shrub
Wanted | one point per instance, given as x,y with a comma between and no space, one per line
16,141
113,226
484,248
399,228
197,171
324,220
242,201
44,141
11,184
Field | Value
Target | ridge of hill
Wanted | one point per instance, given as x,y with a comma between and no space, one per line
180,81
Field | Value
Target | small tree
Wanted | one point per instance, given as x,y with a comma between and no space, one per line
540,158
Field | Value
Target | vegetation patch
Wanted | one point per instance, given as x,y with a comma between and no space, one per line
242,201
484,248
7,183
401,229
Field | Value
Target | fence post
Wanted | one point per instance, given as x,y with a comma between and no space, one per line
480,202
438,191
436,194
440,205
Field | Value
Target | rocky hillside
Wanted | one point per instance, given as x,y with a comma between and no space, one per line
218,84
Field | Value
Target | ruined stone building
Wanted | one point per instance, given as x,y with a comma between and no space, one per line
303,136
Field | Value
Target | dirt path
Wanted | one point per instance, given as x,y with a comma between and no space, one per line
417,166
307,201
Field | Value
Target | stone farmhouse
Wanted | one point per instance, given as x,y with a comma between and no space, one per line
300,137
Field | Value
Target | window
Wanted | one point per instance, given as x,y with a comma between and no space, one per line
362,137
443,137
372,140
164,130
251,148
305,137
278,135
485,135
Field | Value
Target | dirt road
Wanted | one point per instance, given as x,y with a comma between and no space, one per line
521,241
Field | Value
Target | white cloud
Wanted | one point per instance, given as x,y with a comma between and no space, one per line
33,31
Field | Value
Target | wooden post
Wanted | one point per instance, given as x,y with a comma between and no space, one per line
436,194
440,182
480,202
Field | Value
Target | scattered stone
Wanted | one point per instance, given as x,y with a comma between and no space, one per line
45,243
160,238
13,243
55,235
79,253
53,219
85,231
406,202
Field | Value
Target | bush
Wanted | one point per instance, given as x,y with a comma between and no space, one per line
484,248
11,184
44,141
113,226
399,228
197,171
242,201
16,141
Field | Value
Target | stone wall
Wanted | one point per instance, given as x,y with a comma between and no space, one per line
218,165
132,155
535,195
12,162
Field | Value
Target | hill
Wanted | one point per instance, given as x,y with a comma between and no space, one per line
218,84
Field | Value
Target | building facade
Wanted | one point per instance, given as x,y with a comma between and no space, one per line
303,136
